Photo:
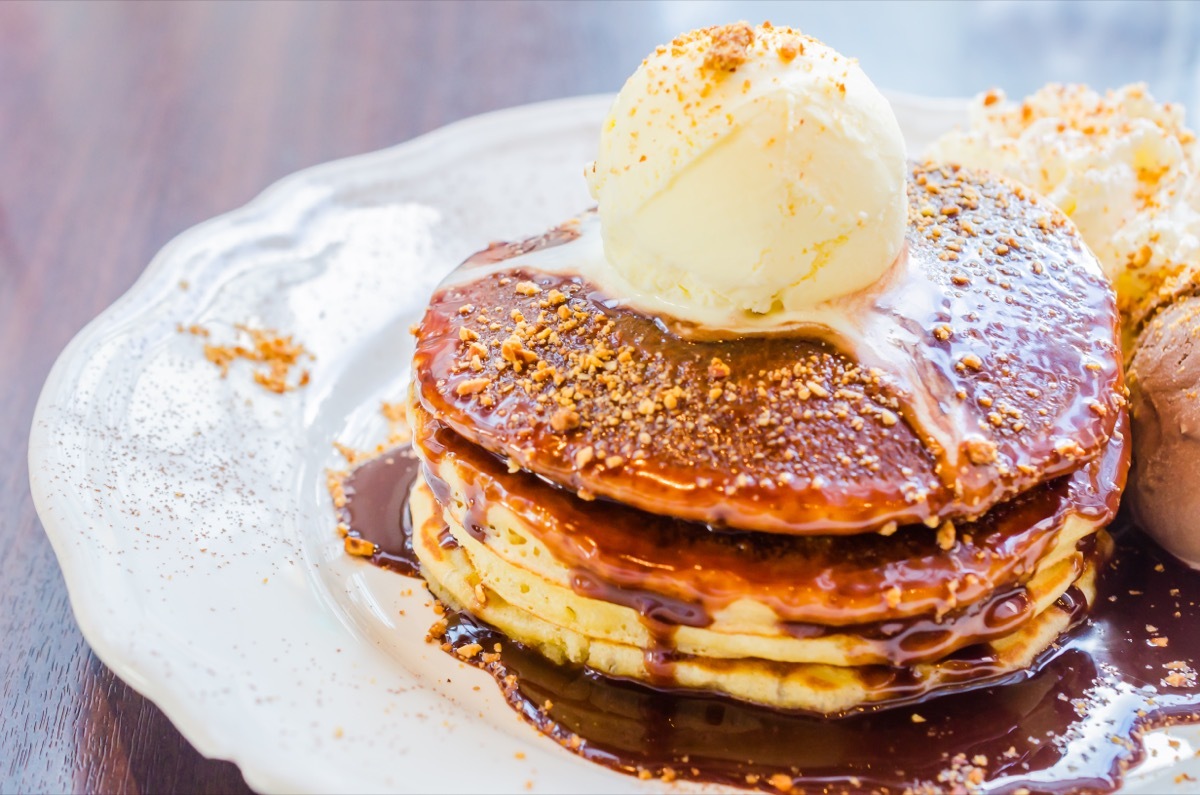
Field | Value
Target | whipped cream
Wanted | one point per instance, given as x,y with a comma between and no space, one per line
1122,166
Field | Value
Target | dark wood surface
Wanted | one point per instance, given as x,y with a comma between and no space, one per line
123,124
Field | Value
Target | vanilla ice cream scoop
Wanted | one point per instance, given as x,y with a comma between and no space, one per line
749,170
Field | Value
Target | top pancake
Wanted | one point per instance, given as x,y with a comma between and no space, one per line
1004,317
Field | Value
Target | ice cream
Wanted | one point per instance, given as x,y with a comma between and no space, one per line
749,170
1164,381
1122,166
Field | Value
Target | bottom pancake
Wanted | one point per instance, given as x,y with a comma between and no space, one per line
453,575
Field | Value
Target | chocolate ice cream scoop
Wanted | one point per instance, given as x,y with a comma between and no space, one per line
1164,380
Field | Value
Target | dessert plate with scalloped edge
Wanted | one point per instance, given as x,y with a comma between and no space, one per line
189,512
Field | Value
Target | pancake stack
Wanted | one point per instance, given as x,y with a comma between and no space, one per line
812,520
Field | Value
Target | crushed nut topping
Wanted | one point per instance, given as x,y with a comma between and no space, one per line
729,46
276,353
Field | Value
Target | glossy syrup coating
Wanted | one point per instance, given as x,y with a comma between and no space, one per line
811,583
988,364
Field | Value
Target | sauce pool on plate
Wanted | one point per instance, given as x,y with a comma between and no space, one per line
1070,723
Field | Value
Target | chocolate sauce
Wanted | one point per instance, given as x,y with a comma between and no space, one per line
1072,723
929,638
660,615
376,509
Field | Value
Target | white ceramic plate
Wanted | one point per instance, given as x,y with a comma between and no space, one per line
190,513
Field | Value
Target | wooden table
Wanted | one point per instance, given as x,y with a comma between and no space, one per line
123,125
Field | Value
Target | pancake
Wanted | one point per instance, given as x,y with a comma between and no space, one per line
754,582
742,631
987,366
822,688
